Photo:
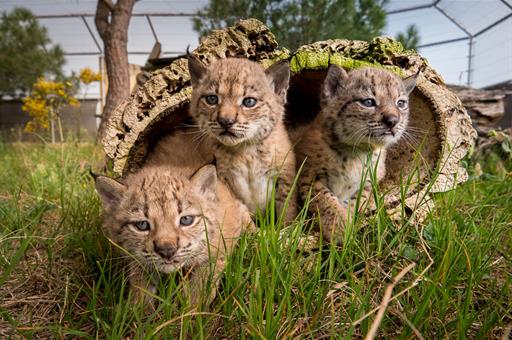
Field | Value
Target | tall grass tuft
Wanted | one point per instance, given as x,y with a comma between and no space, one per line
60,277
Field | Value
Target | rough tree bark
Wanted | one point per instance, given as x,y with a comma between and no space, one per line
440,132
112,21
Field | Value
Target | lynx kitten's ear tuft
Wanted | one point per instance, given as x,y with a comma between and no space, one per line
333,83
110,191
196,69
279,76
410,82
204,181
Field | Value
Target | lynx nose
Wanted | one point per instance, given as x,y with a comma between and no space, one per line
390,120
226,123
165,250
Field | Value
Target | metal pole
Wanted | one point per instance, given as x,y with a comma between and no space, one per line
443,42
414,8
75,54
449,17
470,61
496,23
470,36
409,9
92,34
75,15
506,4
102,85
152,28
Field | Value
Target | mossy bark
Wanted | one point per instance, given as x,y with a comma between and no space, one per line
441,129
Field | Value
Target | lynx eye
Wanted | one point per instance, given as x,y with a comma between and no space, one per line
142,225
401,104
187,220
368,102
249,102
212,99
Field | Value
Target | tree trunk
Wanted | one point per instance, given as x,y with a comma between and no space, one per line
112,22
440,128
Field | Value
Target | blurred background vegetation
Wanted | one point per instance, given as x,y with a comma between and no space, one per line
299,22
31,65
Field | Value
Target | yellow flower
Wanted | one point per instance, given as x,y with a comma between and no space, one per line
45,102
88,76
29,127
73,101
35,106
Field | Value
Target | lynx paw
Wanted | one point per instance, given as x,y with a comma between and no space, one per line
333,227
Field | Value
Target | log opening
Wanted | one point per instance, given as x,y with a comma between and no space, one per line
304,104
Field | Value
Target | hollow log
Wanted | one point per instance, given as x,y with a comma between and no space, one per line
440,133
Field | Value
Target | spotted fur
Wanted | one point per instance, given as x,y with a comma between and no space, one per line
252,147
163,195
362,113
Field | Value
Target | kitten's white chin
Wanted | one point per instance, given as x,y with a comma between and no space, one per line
169,267
387,139
234,138
229,140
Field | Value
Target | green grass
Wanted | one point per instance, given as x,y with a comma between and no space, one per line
59,278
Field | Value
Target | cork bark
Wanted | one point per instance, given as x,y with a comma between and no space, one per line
441,132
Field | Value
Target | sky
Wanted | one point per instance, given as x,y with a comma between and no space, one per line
491,52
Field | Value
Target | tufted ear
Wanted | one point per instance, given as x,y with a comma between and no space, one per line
196,69
204,181
279,76
110,191
410,82
333,83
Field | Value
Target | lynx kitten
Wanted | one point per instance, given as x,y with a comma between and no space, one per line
363,111
171,218
240,106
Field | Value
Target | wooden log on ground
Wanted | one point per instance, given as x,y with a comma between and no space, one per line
485,107
440,127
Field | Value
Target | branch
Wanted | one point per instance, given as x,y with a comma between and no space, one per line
103,10
108,3
120,16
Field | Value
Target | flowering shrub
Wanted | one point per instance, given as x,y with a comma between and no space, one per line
38,110
88,76
48,97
